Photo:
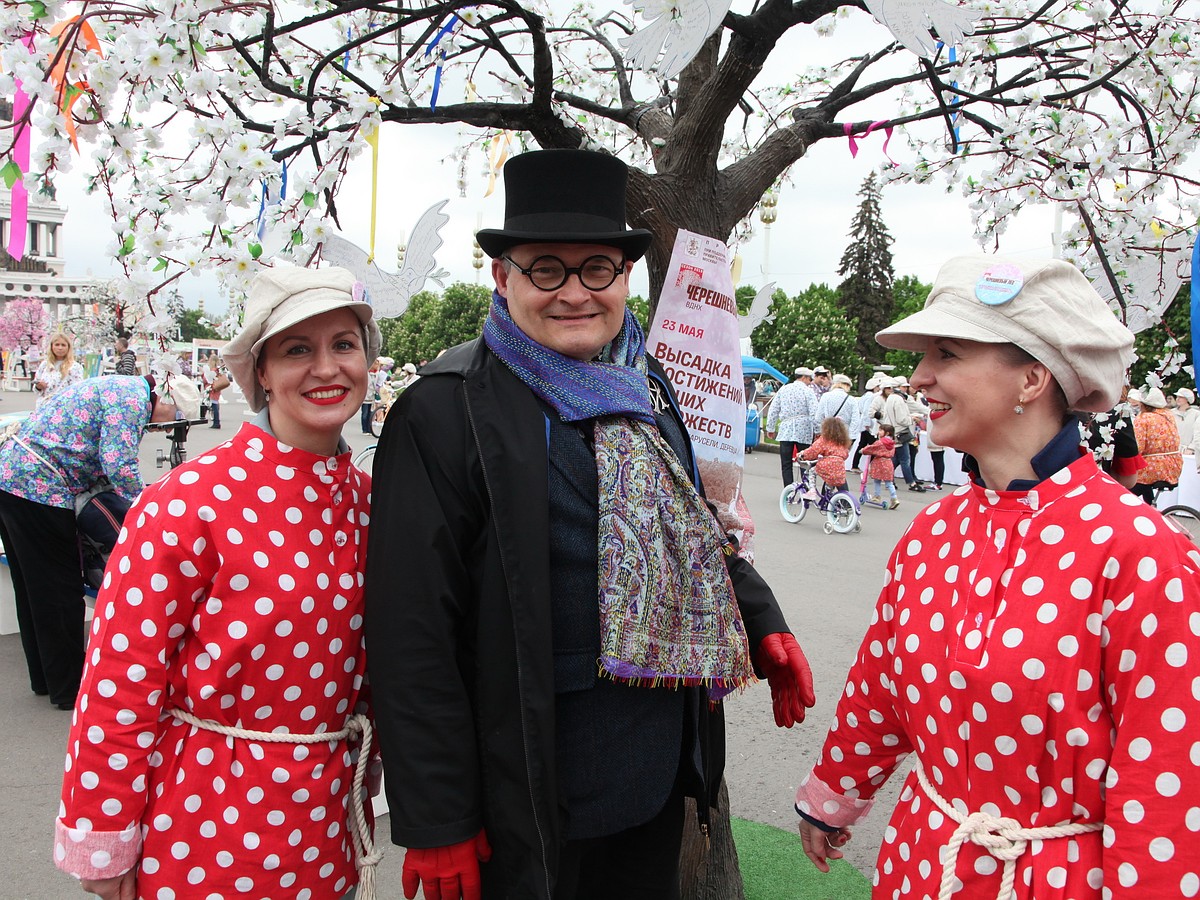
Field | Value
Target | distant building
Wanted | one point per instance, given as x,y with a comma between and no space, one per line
40,273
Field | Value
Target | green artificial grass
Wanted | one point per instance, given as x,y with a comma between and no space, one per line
774,867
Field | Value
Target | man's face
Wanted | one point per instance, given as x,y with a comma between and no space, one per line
806,379
823,380
572,319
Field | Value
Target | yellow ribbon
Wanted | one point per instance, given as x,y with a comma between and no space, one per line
371,134
497,154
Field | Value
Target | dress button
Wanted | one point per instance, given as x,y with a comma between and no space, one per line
331,464
337,498
340,539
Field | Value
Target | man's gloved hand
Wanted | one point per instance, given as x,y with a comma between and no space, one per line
788,674
446,873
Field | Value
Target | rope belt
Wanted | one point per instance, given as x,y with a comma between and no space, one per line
366,857
1004,838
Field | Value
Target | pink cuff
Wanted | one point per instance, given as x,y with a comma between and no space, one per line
96,854
817,799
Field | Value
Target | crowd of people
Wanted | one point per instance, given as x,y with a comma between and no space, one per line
798,410
538,615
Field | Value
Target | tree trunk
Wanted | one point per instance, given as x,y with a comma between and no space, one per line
708,869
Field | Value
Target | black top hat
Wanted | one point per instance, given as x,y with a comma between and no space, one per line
564,197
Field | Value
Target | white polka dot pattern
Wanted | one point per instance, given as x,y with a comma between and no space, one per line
192,618
1052,677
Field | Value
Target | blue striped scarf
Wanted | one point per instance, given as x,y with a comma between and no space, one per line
668,614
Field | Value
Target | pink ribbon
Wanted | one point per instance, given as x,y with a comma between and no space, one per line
18,227
848,129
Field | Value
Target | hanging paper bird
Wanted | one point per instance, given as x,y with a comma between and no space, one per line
1149,281
911,21
758,311
677,31
389,294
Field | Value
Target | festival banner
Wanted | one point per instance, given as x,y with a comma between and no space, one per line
695,337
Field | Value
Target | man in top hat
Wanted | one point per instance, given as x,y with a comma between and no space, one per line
553,613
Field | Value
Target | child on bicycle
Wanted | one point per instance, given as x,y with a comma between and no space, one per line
882,471
830,450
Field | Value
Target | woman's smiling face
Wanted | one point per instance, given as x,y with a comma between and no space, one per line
971,388
316,374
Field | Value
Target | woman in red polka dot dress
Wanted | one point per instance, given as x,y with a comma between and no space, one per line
233,604
1036,645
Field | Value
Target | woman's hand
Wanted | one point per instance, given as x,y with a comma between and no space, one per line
40,385
123,887
820,846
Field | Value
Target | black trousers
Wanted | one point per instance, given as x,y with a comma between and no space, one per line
787,449
43,559
640,863
865,439
939,466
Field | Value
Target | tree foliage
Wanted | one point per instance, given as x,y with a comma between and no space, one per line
193,324
433,323
1163,349
23,323
910,293
196,105
808,330
866,266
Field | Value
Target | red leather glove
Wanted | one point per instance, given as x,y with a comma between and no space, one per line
446,873
788,674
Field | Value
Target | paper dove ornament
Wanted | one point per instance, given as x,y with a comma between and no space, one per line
758,311
911,21
677,31
389,294
1149,281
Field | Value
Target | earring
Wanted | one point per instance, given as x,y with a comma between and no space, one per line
1019,409
267,395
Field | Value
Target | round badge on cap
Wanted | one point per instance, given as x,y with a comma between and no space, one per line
999,284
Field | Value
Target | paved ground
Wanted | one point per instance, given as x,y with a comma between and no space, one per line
826,583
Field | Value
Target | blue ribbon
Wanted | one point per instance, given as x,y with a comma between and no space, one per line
266,196
437,75
346,58
1196,309
954,102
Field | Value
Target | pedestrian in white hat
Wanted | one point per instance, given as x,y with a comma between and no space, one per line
1185,417
1032,646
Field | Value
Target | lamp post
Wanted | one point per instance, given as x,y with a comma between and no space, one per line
767,213
476,258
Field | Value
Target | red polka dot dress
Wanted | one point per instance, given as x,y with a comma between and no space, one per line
1039,651
235,594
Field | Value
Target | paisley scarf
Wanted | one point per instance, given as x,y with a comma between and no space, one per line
668,614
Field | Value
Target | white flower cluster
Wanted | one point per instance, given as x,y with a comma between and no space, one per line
192,109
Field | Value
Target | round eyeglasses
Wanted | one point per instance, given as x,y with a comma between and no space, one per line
549,273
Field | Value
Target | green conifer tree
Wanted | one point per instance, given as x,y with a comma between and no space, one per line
866,267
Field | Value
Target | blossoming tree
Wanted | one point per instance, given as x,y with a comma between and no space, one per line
198,110
222,129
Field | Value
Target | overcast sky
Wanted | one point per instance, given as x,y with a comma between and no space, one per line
803,247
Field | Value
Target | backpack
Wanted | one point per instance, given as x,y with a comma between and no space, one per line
99,514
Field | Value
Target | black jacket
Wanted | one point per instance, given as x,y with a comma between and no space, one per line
458,621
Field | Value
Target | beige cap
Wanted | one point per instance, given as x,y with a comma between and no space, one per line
1134,395
804,371
1154,397
279,298
182,391
1047,308
842,379
1186,394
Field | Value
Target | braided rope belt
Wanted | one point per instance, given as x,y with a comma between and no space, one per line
366,856
1003,838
